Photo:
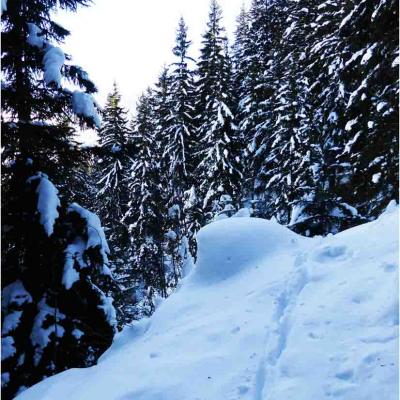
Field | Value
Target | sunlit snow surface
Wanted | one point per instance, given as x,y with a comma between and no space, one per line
265,315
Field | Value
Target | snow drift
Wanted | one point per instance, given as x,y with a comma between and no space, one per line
264,315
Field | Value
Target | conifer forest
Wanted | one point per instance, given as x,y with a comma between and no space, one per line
294,121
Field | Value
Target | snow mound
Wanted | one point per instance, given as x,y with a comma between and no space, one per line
287,318
230,246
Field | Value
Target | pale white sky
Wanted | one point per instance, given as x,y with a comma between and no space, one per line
130,40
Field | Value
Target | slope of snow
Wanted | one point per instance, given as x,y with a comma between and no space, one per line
264,315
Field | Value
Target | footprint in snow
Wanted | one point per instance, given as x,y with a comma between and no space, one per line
389,267
345,375
243,389
330,253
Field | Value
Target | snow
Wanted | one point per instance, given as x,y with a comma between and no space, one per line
368,54
265,314
376,177
289,29
296,214
170,234
41,336
42,329
5,378
77,333
83,104
3,6
73,253
350,143
7,347
48,202
350,124
95,232
53,61
348,207
381,105
332,117
174,211
34,36
191,198
109,310
14,294
11,322
347,19
243,212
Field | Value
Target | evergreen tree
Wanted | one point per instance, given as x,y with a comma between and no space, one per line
57,312
180,137
218,148
112,195
55,315
146,210
368,76
243,79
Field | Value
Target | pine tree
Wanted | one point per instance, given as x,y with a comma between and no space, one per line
180,137
145,210
218,148
57,312
112,196
55,315
368,34
255,110
243,79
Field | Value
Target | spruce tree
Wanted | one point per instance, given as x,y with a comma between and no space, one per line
55,314
57,309
180,137
112,196
146,209
218,150
368,35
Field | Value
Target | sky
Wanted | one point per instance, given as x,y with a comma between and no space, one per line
129,41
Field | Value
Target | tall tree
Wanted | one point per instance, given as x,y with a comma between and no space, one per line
368,76
112,196
218,149
55,314
146,210
180,140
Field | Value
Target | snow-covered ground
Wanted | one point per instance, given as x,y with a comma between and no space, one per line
264,315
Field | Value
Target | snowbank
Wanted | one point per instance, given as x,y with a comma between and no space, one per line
227,248
264,315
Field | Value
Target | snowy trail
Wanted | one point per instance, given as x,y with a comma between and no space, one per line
264,315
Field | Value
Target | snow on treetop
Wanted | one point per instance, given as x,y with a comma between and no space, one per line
48,201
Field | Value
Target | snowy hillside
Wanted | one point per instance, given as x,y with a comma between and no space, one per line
264,315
